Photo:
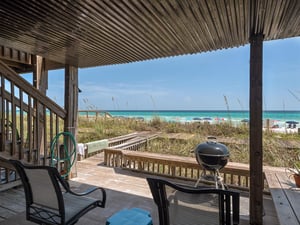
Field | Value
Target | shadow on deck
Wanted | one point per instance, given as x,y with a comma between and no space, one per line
125,189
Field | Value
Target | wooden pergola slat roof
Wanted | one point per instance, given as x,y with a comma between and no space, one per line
93,33
89,33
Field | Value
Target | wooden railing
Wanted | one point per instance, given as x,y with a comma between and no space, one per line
234,175
29,121
94,113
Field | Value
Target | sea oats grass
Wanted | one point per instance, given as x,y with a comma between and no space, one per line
277,147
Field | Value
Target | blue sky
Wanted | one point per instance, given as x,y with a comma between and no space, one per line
191,82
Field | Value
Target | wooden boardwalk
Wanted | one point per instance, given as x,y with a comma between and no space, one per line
125,189
132,141
142,137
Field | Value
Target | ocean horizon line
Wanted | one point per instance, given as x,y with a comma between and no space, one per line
280,117
183,110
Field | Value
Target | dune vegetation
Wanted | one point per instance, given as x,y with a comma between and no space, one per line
279,149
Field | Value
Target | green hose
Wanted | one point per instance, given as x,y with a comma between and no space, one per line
68,157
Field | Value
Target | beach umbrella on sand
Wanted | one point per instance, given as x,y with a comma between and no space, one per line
245,121
197,118
292,122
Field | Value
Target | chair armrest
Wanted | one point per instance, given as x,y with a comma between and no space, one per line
67,188
89,191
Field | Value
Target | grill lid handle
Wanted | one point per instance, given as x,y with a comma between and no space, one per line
211,139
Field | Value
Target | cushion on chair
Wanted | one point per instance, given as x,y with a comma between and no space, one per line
134,216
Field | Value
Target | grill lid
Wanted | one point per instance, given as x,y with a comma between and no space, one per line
212,148
212,155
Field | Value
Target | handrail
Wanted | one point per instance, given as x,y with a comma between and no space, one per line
234,174
23,84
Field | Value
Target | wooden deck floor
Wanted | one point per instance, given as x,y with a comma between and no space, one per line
125,189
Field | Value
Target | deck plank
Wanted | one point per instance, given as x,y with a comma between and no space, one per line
14,200
292,193
125,189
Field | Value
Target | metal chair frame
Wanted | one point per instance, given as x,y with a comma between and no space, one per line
228,201
65,211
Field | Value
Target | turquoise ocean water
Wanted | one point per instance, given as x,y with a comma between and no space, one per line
277,117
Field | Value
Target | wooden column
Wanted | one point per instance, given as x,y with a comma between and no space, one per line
40,81
256,148
40,75
71,104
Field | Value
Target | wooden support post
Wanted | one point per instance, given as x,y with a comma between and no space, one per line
40,81
256,151
71,105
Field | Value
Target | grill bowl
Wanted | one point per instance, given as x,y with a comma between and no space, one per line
212,155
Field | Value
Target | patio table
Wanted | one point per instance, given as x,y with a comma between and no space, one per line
286,197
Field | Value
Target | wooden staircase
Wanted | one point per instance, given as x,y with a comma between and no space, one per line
29,120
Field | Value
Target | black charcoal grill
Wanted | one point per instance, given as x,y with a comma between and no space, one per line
212,156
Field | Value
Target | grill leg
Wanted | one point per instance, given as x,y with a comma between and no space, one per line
219,180
203,173
215,178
